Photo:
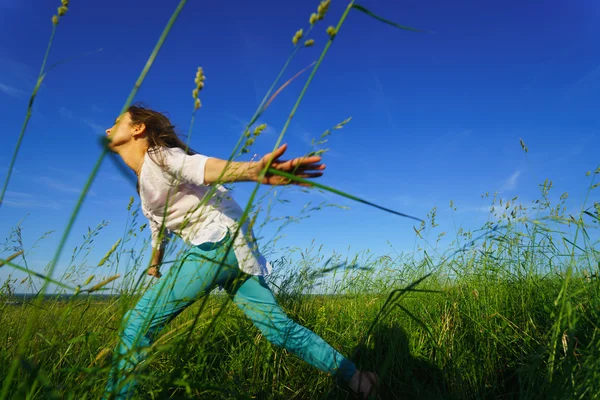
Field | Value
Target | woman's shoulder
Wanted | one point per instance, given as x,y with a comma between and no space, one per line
164,156
165,151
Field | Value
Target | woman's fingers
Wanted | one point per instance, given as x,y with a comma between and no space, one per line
275,154
302,167
280,180
153,271
297,165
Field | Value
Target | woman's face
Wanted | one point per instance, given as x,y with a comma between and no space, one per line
122,132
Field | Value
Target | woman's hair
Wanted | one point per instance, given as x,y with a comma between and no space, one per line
160,132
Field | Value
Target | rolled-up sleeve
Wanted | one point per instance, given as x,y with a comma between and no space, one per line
188,168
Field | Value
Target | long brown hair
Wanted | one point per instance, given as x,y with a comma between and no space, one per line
160,132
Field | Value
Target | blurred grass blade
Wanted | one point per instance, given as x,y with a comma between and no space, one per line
36,375
103,283
377,17
30,272
596,217
123,169
9,259
338,192
40,79
285,85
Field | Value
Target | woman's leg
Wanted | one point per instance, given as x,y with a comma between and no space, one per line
256,300
184,283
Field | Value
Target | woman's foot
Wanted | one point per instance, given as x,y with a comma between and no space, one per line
363,383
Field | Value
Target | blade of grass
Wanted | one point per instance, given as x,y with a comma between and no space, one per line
41,77
30,272
338,192
10,258
28,114
385,21
285,85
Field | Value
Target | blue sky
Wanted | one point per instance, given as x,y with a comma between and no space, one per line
435,117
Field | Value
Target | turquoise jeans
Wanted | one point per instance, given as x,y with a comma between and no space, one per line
190,280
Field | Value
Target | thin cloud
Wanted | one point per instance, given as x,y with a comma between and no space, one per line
27,200
10,193
60,186
69,114
586,83
380,98
250,49
12,91
31,204
20,74
97,128
96,109
511,182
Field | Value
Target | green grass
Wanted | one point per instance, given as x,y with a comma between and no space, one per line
484,335
508,311
480,322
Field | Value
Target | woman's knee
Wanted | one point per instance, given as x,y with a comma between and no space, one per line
278,330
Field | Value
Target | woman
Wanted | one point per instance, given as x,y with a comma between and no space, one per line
180,193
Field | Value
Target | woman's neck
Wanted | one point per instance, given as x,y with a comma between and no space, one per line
133,156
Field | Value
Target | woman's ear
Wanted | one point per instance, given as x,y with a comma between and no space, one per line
139,129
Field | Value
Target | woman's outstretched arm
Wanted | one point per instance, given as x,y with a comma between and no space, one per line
219,171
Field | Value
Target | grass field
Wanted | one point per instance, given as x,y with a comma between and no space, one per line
509,318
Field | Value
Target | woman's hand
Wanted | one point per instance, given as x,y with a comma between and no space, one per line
302,167
154,271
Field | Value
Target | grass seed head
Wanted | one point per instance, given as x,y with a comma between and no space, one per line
298,36
322,9
54,20
103,283
309,43
525,149
259,129
89,279
109,253
62,10
313,18
200,77
131,199
199,81
331,31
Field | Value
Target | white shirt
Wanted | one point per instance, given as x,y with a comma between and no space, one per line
195,219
